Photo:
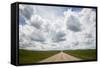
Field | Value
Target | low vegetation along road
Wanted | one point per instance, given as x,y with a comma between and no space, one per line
27,56
60,57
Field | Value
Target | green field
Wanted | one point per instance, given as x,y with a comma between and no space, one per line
27,57
83,54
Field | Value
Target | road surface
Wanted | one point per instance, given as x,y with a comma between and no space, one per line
60,57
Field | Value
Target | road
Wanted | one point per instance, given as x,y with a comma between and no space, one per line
60,57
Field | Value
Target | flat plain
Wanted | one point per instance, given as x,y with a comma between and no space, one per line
29,57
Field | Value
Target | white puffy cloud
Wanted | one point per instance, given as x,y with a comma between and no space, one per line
85,33
68,30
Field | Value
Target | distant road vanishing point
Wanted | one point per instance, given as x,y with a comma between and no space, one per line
60,57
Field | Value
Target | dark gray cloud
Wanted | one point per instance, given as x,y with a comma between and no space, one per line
90,39
24,44
26,11
88,42
36,25
73,24
89,35
36,21
60,34
37,37
54,45
76,43
59,37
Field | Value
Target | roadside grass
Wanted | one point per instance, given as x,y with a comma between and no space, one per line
27,57
89,54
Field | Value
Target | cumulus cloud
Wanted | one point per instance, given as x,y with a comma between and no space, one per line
73,23
26,11
59,37
36,21
65,29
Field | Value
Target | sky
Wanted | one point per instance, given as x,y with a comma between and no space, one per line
56,28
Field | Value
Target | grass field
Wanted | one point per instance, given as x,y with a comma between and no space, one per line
26,56
83,54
